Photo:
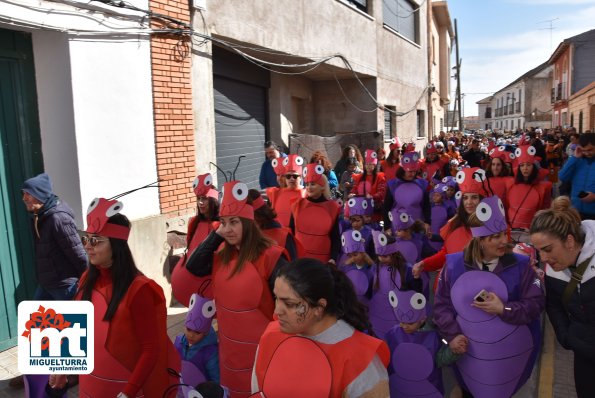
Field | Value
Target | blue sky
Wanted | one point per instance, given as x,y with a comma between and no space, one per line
500,40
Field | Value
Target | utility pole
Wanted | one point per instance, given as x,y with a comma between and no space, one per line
458,77
551,28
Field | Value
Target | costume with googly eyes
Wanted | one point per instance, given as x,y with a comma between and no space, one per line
502,348
244,300
125,360
469,181
281,199
387,277
410,195
434,167
200,361
524,200
183,282
360,275
419,375
373,184
315,221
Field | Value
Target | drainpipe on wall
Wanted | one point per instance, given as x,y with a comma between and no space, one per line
429,51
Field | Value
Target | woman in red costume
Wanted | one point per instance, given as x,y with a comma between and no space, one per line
391,165
241,261
527,194
282,198
371,183
132,349
498,173
314,219
183,283
266,219
456,232
318,346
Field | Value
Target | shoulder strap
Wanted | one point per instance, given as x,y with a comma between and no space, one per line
575,279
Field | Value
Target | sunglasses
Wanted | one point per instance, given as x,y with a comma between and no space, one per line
290,176
93,240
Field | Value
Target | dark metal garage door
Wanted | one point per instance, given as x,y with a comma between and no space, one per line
240,120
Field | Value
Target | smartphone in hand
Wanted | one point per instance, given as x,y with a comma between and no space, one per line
582,194
481,296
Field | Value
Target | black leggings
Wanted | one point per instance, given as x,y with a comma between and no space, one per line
584,372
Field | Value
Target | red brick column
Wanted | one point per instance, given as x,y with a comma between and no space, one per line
172,103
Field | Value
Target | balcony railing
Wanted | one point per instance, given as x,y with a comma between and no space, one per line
488,115
517,108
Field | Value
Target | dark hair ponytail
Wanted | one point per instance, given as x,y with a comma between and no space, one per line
313,280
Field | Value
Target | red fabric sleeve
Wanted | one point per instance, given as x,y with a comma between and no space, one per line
436,261
146,330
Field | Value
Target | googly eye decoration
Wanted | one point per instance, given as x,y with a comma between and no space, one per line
517,152
390,216
531,151
502,148
415,157
195,183
392,299
406,160
501,207
319,169
299,160
483,212
492,151
479,175
240,191
192,301
305,172
382,239
94,203
404,217
193,394
285,161
460,177
459,195
364,204
343,241
208,309
274,163
374,155
351,202
418,301
356,235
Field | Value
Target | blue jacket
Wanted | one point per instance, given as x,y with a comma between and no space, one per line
267,177
580,172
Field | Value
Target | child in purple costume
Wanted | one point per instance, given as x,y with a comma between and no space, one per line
198,346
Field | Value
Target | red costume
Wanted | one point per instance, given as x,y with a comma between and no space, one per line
184,283
390,169
281,200
348,358
132,350
524,200
313,225
244,308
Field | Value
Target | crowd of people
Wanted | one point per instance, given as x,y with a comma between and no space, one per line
367,279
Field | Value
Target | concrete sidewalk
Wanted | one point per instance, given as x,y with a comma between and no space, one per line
9,366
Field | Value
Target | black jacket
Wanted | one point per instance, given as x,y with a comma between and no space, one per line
575,328
59,254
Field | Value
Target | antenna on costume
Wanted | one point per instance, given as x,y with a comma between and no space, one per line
237,165
150,185
203,286
222,172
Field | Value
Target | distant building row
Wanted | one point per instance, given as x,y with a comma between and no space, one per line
559,92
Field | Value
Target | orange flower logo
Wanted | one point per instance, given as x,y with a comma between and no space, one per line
43,319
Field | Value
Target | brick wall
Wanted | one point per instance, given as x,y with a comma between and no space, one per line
172,102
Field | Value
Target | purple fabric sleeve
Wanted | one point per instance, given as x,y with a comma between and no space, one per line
445,316
531,304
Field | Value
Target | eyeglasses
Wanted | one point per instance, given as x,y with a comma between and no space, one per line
290,176
93,240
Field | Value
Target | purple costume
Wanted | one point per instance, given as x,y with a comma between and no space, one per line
502,348
412,372
385,279
199,318
360,274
